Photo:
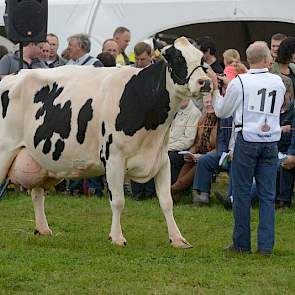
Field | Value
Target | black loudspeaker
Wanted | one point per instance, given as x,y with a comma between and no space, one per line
26,20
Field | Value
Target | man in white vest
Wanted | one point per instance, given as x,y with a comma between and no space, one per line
254,99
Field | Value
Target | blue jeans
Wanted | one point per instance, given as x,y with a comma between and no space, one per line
94,183
286,185
205,168
257,160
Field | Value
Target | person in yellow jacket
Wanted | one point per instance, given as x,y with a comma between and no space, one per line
122,36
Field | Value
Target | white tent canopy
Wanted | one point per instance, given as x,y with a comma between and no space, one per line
99,18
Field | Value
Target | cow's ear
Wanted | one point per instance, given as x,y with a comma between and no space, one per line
157,45
167,52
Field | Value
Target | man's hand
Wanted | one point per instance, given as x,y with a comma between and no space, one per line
286,128
289,162
210,73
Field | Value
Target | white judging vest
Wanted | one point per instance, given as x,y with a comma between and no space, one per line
263,96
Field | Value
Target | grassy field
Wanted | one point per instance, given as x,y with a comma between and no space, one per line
80,260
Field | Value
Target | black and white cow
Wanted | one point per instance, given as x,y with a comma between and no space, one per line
73,122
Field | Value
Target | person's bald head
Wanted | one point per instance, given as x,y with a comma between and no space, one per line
258,53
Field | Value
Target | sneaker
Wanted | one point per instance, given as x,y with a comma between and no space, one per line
200,199
225,201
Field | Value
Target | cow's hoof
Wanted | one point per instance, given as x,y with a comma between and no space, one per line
44,232
181,243
118,242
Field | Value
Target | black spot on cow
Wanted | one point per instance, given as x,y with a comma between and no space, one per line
103,129
109,142
59,147
57,120
85,115
102,158
5,103
177,65
145,100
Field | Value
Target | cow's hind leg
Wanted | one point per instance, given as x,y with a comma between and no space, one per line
6,160
38,197
115,182
163,183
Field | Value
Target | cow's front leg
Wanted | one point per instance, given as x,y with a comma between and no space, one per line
38,197
115,182
163,183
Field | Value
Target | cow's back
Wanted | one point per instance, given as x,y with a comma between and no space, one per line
58,114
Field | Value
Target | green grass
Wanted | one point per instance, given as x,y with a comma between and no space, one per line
79,259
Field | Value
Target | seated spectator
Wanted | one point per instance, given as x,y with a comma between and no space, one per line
205,141
287,172
209,163
232,63
182,135
107,59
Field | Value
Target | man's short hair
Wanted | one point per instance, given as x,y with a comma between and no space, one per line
83,41
279,37
52,35
286,50
27,43
120,30
106,41
257,52
142,47
205,43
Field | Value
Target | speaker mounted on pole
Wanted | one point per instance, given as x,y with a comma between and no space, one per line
26,20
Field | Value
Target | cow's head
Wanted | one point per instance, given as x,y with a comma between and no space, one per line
186,66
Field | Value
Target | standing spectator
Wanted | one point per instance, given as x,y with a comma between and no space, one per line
122,36
208,47
143,55
232,63
54,60
111,46
255,100
9,64
285,60
143,190
275,42
3,51
79,48
44,51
